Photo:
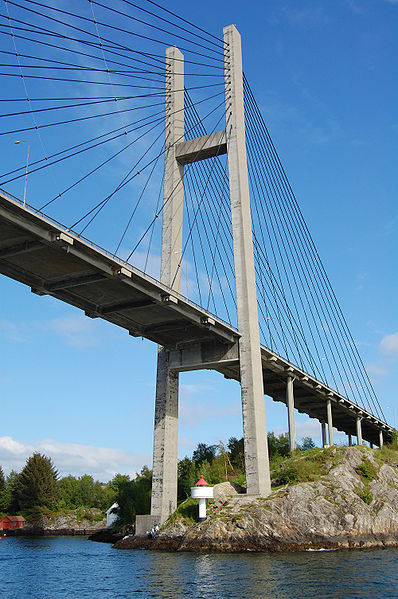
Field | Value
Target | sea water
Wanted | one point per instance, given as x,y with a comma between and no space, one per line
58,567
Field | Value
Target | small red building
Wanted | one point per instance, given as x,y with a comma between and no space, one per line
12,522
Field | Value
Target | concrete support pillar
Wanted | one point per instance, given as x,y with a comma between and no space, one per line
164,481
349,440
330,420
359,430
324,438
252,388
290,413
371,445
381,440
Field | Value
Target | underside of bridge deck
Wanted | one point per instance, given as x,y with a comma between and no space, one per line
53,261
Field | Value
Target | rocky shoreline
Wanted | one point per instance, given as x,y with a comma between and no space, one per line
352,504
62,524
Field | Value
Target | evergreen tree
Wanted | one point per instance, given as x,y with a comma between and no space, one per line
3,498
204,453
307,443
9,500
36,485
2,480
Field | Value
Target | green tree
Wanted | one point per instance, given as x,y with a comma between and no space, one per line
236,452
134,497
204,453
307,443
187,477
67,492
3,504
9,493
36,485
2,481
278,445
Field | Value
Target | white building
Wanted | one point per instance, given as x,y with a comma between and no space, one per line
111,517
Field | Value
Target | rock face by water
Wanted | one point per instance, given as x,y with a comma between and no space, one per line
69,523
354,503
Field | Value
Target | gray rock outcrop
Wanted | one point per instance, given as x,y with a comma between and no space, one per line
353,503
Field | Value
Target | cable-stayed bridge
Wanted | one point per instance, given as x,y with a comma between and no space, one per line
219,284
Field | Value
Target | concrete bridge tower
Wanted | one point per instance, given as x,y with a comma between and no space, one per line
177,153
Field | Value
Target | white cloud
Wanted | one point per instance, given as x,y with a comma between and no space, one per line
195,410
13,332
307,17
76,330
376,370
389,345
73,458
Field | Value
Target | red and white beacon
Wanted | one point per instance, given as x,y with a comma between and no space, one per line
202,491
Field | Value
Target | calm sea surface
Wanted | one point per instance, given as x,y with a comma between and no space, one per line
74,567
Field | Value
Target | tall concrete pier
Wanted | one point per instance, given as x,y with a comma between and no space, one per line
164,478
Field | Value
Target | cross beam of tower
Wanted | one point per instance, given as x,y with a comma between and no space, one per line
179,152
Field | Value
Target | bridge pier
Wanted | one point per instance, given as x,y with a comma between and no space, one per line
165,445
349,440
381,440
290,412
324,438
359,430
330,420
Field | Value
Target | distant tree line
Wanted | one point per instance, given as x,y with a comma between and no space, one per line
38,488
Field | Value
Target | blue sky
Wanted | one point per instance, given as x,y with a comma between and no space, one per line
324,75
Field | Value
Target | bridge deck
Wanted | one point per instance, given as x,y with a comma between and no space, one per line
51,260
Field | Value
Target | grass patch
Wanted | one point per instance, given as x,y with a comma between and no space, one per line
306,466
388,454
186,511
366,470
240,480
364,494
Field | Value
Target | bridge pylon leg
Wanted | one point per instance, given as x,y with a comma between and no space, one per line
290,413
359,431
330,421
324,437
251,373
164,477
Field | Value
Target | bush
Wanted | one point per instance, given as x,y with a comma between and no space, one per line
364,494
367,470
288,474
188,511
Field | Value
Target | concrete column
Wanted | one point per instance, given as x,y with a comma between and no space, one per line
349,440
173,188
330,421
359,430
290,413
371,445
324,438
381,440
252,388
164,481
